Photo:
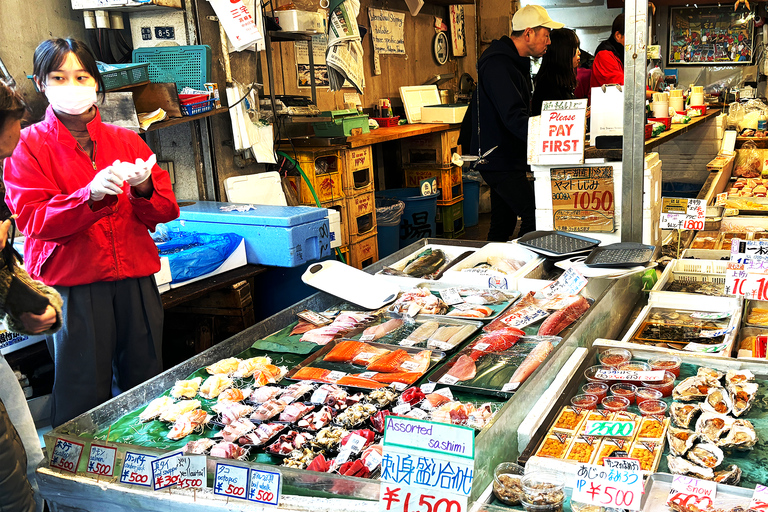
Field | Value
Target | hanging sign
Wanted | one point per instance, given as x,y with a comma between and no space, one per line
680,213
582,199
561,132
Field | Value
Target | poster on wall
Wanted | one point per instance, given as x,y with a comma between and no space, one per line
301,53
458,34
710,36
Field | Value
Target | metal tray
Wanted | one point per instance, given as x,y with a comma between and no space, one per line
498,309
398,335
748,307
557,243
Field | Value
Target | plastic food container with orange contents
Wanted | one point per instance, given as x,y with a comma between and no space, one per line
667,363
615,403
583,449
613,357
665,386
555,444
598,389
624,389
569,419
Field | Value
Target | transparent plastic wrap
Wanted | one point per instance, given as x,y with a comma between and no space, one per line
748,164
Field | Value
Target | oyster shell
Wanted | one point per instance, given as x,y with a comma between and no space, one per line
712,426
680,440
682,414
692,388
706,454
741,436
680,466
733,377
743,396
731,475
710,375
718,401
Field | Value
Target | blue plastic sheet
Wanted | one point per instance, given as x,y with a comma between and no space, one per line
192,254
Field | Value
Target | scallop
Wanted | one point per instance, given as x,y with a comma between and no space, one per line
692,388
680,440
680,466
743,396
710,375
683,414
712,426
730,476
706,454
741,436
718,401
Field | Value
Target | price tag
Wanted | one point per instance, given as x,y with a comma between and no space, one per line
510,386
398,386
759,498
373,460
715,333
608,487
406,498
193,473
335,375
448,379
442,345
446,392
700,315
720,199
481,346
408,343
451,296
559,302
367,337
610,428
319,396
355,443
569,283
137,469
341,458
101,460
410,366
428,388
368,375
645,376
264,487
66,455
230,481
678,213
165,470
402,408
524,316
756,250
622,463
313,318
708,349
687,491
417,414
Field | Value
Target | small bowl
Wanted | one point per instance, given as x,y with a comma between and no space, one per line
665,386
590,372
667,363
508,483
615,403
652,408
642,394
599,389
588,402
613,357
635,366
542,491
624,389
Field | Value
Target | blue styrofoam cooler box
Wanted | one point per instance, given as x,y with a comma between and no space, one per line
280,236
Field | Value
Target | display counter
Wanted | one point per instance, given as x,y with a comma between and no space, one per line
498,441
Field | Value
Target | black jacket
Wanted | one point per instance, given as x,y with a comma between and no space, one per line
504,88
548,90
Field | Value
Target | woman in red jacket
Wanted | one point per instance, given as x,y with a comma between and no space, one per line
86,194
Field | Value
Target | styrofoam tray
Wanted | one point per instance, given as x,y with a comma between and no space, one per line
406,283
490,278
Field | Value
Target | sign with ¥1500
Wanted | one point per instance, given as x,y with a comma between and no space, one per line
582,199
561,132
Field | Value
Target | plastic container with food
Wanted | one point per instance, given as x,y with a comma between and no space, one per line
613,357
648,453
624,389
667,363
598,389
583,449
543,492
635,366
588,402
555,444
665,386
652,407
615,403
590,373
652,428
508,483
642,394
586,507
569,419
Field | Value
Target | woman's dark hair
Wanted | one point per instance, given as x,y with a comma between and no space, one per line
51,54
557,63
12,105
618,25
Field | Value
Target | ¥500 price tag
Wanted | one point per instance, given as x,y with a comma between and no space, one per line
264,487
192,472
66,455
230,481
687,491
101,460
613,488
610,428
136,469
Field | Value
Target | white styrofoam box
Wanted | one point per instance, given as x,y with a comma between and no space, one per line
294,20
143,24
261,188
491,278
334,224
406,283
163,276
415,97
450,114
237,259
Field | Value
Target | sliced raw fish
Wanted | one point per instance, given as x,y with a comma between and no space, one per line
496,341
531,362
224,366
262,434
231,411
461,335
295,391
198,447
422,332
464,368
390,362
404,377
471,313
228,450
268,410
418,363
156,407
369,354
359,382
345,351
302,327
264,393
214,385
435,400
444,333
237,429
562,318
381,330
295,411
310,373
248,367
269,374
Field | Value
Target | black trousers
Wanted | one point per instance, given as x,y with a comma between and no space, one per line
511,197
110,341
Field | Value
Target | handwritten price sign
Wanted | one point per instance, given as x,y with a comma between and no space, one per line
165,470
570,283
649,376
524,316
137,469
759,498
403,498
610,428
192,472
687,492
677,213
231,481
66,455
101,460
608,487
264,487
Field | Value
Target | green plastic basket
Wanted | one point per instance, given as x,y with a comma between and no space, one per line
187,66
128,74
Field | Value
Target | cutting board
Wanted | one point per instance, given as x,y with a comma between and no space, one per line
350,284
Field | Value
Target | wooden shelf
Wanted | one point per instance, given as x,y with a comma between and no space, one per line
179,120
396,132
283,35
679,129
127,87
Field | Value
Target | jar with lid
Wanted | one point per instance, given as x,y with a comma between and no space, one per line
542,492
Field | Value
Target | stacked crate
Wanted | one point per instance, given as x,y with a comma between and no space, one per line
360,206
428,156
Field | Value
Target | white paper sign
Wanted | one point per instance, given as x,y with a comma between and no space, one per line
569,283
165,470
687,491
231,481
561,132
622,463
759,500
680,213
608,487
645,376
264,486
66,455
101,460
524,316
137,469
193,473
237,22
387,31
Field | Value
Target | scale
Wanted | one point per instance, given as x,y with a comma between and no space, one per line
557,243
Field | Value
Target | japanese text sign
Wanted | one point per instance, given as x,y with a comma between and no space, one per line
608,487
569,283
231,481
561,132
645,376
622,463
165,470
193,473
66,455
524,316
582,199
759,498
237,22
687,491
101,460
264,486
679,213
137,469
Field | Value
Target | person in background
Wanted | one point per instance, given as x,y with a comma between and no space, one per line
20,451
86,194
583,75
498,118
556,79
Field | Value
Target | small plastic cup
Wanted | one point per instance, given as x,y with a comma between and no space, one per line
635,366
590,372
613,357
665,386
508,483
615,403
667,363
588,402
542,492
652,408
624,389
599,389
642,394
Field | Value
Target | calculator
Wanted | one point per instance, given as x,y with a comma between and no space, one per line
625,254
557,243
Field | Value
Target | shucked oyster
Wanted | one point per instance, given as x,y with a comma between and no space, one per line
692,388
712,426
741,436
706,454
733,377
731,475
743,396
680,440
717,401
680,466
682,414
710,375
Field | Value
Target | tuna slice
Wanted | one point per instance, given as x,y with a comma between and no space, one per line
464,368
389,363
531,362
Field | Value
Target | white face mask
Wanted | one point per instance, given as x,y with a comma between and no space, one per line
71,99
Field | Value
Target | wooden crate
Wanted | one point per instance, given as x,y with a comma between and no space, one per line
449,180
361,214
357,174
341,207
363,251
323,168
431,148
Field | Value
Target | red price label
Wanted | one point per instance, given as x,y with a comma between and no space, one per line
187,483
411,499
137,478
235,490
686,501
692,224
597,200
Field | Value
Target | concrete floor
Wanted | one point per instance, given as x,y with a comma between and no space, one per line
480,231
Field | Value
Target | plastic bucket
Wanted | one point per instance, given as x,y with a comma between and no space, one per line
471,202
418,220
388,215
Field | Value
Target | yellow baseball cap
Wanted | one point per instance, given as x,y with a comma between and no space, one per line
532,16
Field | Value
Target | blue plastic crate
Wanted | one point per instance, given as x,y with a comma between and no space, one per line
187,66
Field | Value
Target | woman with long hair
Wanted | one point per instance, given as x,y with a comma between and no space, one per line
556,79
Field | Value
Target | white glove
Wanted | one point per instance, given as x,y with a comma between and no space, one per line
138,173
106,182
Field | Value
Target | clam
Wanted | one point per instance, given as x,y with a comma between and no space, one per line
706,454
718,401
680,440
741,436
731,475
733,377
682,414
692,388
712,426
680,466
710,375
743,396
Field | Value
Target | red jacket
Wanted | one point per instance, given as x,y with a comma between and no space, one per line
69,242
606,69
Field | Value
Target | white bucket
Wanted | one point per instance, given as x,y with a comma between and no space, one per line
660,109
677,103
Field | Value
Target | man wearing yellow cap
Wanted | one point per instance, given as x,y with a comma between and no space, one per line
498,117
